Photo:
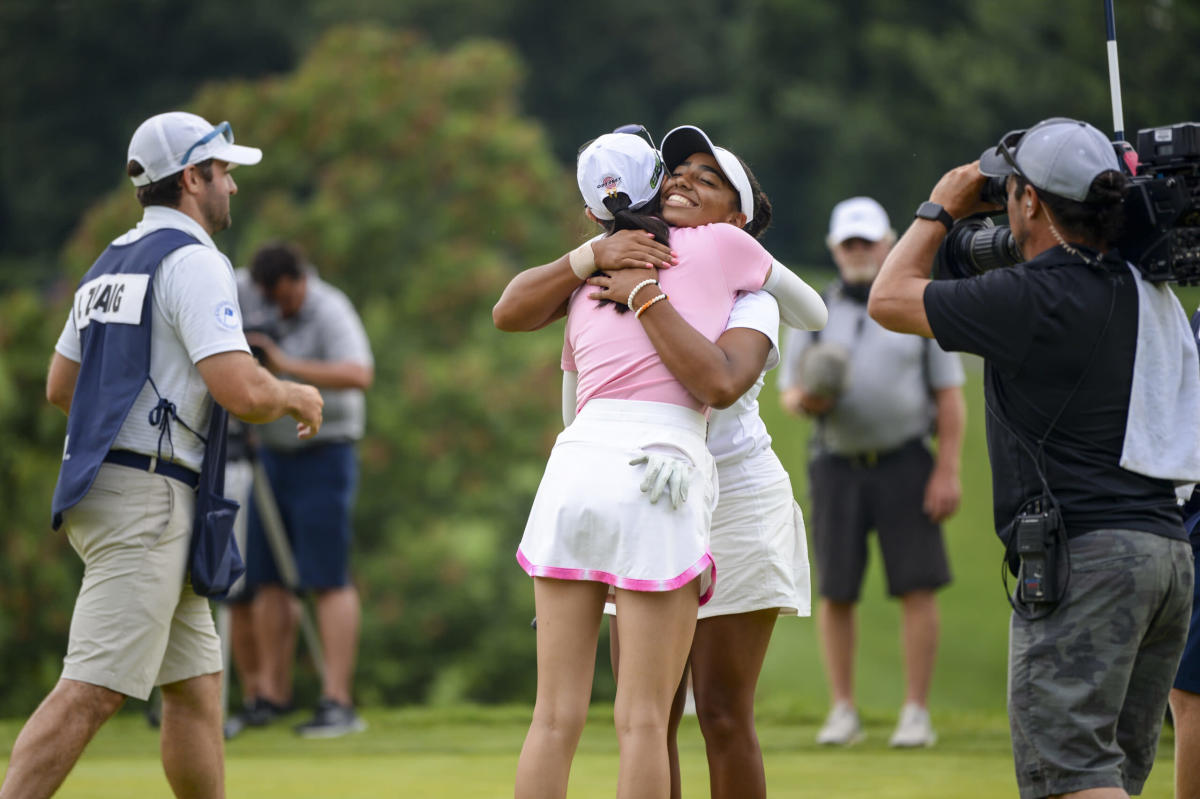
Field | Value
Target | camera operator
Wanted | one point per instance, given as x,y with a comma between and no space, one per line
1083,474
304,327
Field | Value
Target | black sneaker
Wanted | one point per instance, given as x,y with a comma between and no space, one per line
332,720
257,712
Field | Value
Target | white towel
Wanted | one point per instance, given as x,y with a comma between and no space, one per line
1162,431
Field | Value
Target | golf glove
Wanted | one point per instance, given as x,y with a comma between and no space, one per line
664,472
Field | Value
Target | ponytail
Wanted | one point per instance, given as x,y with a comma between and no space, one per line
625,218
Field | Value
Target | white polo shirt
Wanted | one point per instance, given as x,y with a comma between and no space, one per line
195,314
737,435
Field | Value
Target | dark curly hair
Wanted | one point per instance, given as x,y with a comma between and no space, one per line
274,261
762,205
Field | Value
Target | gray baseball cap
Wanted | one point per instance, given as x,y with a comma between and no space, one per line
1057,155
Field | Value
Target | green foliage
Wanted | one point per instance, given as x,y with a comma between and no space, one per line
39,575
824,98
420,195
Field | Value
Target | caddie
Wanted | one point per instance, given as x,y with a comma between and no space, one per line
154,335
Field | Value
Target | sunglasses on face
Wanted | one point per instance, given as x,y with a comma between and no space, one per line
223,129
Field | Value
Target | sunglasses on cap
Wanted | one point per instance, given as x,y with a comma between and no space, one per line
1007,149
223,129
640,130
637,130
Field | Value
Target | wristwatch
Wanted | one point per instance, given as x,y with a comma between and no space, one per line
935,212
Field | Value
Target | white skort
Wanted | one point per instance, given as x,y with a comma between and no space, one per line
759,546
590,519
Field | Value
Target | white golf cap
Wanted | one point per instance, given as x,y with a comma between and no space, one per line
858,218
166,143
618,163
1057,155
687,139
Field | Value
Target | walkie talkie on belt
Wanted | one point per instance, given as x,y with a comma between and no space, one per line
1038,531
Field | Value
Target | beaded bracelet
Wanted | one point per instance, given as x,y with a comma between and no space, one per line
642,310
647,282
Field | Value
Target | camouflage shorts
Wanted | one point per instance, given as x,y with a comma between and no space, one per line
1088,684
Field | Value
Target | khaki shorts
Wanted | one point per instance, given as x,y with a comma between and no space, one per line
137,621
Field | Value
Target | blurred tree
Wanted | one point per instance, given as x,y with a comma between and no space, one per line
824,98
39,574
834,98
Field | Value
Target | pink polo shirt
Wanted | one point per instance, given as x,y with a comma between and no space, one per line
612,352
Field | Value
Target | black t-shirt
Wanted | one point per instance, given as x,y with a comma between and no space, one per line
1041,327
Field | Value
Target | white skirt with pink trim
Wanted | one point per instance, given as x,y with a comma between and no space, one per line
590,519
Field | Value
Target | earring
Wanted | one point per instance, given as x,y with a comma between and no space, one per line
1029,203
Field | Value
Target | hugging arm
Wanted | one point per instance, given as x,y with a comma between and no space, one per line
714,373
539,295
535,297
800,305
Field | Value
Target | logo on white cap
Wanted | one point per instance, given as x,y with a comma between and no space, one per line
618,163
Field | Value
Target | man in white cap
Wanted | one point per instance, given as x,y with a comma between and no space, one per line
1074,343
870,468
153,329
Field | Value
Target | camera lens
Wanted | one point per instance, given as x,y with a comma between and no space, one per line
995,190
992,247
973,246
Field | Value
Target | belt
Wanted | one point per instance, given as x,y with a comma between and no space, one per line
147,463
871,458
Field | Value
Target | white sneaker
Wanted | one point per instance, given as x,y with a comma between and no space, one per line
842,727
913,729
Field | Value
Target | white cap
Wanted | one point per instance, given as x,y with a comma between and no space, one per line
166,143
858,218
618,162
687,139
1057,155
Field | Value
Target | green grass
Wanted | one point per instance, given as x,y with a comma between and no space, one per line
472,752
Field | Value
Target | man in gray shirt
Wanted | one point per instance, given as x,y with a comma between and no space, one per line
875,396
299,325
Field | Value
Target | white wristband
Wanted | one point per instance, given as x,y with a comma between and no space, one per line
647,282
583,260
